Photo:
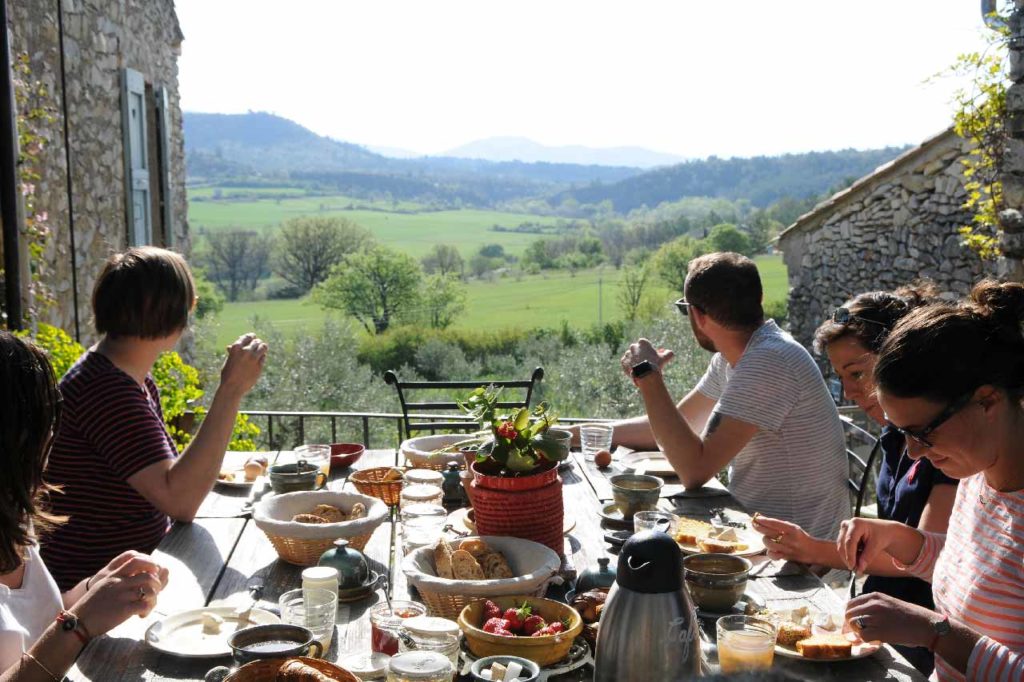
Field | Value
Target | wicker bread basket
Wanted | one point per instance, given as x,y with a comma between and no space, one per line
371,482
266,670
303,543
533,563
419,452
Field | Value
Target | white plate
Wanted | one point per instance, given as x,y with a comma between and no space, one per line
239,481
181,634
862,650
653,463
753,540
459,520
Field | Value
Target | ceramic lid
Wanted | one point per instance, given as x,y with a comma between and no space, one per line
319,573
431,625
420,664
372,666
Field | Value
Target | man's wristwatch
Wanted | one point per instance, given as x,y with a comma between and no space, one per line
642,369
941,628
69,622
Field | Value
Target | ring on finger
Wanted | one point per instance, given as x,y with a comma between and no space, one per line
858,622
141,593
778,538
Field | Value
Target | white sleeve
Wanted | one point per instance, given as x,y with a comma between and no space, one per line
713,381
12,642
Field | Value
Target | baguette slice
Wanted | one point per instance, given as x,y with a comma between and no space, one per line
713,545
830,646
791,633
465,567
495,566
443,559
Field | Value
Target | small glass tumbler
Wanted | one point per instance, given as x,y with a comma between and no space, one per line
595,437
314,609
745,643
422,524
317,455
655,520
385,623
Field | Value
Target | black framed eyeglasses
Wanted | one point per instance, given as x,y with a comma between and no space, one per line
921,435
844,316
684,306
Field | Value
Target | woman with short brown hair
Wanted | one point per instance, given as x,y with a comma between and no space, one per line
122,477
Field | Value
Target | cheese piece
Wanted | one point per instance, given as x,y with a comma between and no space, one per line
211,623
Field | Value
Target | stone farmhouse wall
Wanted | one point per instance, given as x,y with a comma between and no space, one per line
889,228
100,39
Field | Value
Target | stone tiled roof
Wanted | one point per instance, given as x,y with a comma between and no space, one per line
906,161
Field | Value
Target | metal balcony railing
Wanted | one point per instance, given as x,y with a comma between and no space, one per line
291,426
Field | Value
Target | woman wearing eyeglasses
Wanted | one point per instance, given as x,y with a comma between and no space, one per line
910,491
951,378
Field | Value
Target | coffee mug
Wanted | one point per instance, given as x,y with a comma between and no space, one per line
636,492
276,640
289,478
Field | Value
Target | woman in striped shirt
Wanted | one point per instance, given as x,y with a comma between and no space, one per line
951,379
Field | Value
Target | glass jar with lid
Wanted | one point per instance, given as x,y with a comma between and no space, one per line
421,493
423,477
422,524
420,666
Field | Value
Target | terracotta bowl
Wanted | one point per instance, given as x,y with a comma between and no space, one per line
541,650
345,454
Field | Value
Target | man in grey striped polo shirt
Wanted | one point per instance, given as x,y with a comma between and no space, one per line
761,409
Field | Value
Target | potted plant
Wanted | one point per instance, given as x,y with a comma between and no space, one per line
516,489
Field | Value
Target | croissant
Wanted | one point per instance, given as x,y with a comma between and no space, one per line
295,670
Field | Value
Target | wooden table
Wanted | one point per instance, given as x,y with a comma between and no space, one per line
214,559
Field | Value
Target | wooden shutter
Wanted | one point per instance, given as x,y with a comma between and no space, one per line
163,162
136,158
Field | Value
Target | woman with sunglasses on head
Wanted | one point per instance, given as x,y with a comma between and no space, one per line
42,630
909,491
951,378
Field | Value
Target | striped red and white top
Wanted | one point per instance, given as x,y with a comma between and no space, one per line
111,428
977,575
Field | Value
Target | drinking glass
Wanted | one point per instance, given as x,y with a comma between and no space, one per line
314,609
422,524
745,643
594,437
655,520
317,455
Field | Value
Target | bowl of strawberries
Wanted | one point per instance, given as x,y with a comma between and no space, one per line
541,630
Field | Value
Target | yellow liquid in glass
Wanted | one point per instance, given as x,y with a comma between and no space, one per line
745,650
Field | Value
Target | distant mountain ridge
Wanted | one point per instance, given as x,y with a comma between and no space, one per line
528,151
240,148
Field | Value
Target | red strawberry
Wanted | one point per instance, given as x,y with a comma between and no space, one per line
532,624
491,610
493,624
544,632
503,633
557,626
517,617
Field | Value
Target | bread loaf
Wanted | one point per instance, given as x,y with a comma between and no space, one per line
830,646
465,567
443,559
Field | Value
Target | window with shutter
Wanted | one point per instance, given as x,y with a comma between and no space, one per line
163,163
136,159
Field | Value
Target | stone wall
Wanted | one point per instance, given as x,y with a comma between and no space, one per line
889,228
101,38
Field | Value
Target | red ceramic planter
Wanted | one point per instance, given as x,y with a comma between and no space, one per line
528,507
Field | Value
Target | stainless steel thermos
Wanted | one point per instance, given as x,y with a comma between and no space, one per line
649,630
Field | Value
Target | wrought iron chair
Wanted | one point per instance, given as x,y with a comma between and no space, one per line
413,420
861,470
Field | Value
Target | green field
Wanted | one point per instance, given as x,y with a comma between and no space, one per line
410,227
544,300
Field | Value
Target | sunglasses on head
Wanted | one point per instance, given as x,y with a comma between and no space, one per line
844,316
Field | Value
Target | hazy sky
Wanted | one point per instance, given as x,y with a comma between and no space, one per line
694,78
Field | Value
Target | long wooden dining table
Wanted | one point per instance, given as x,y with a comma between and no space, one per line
213,560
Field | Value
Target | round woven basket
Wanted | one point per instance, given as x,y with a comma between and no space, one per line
533,563
302,544
266,670
420,452
371,482
535,514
